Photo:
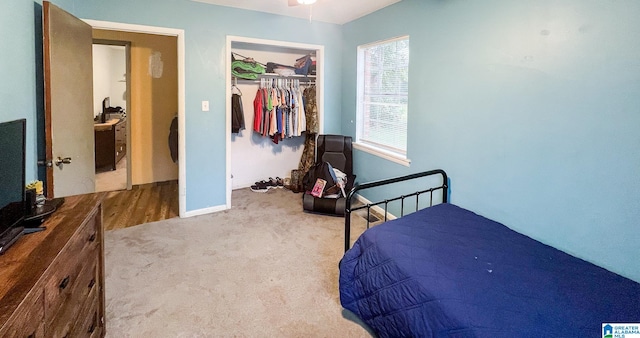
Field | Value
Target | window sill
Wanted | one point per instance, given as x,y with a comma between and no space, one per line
383,154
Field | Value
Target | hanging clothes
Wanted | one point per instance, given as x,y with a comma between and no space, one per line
278,109
300,112
307,160
173,139
311,109
257,111
237,114
270,108
275,102
308,109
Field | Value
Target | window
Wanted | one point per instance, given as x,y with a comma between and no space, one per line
383,97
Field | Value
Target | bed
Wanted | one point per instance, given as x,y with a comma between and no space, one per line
444,271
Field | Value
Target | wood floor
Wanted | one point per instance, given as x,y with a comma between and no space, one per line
142,204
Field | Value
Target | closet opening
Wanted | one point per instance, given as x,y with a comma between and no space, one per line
261,151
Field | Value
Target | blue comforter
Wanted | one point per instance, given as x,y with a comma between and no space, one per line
447,272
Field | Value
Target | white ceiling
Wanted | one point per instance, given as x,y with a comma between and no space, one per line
332,11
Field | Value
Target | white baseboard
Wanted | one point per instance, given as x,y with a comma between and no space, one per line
241,186
375,208
205,211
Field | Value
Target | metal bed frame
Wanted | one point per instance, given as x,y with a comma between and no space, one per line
359,187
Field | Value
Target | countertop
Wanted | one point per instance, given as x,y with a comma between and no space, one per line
107,125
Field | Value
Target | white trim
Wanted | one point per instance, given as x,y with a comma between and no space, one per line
132,28
227,123
205,211
379,42
319,92
360,70
375,208
276,43
383,154
179,33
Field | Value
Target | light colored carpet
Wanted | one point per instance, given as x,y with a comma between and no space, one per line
262,269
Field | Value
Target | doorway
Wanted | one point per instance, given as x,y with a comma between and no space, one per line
178,113
111,89
66,28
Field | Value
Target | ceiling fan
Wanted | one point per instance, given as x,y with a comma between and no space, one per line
300,2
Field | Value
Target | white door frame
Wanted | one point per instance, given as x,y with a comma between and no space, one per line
179,33
285,44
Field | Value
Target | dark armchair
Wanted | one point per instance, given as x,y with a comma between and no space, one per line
337,151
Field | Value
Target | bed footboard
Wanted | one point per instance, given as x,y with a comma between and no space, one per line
359,187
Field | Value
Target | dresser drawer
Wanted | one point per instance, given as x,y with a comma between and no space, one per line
121,149
89,323
81,292
121,132
64,274
27,321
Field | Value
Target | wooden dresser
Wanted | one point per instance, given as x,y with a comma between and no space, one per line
110,143
52,282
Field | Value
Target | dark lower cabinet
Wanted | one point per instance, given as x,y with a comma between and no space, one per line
110,145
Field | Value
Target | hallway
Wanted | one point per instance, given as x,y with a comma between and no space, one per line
143,204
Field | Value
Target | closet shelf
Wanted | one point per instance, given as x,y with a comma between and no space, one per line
301,78
295,76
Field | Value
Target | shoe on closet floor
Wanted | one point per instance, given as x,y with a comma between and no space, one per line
261,186
272,183
275,183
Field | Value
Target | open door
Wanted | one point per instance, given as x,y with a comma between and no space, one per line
68,98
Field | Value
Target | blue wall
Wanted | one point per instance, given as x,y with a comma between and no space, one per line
206,28
17,71
533,109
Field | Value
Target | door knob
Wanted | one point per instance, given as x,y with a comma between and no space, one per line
59,161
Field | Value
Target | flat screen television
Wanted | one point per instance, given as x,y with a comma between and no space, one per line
12,174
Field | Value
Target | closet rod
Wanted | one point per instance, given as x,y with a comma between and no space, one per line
310,83
304,80
296,76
